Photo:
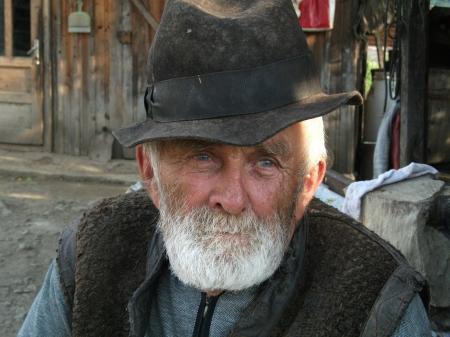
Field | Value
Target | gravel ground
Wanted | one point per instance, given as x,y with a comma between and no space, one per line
32,214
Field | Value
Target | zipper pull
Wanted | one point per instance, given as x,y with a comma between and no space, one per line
205,310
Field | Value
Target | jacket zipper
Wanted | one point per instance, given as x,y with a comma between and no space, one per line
204,315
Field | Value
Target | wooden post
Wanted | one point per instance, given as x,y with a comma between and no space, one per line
47,73
8,22
338,54
414,86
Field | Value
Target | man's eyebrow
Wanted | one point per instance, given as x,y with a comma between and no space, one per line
191,144
277,149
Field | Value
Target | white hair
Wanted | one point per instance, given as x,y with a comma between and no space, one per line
314,138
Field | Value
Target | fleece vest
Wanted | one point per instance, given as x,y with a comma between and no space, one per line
338,278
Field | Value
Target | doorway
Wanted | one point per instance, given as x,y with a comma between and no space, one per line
21,118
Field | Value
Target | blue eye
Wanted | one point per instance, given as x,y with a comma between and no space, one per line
202,157
266,163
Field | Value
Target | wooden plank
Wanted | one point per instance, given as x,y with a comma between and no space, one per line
76,102
15,62
8,22
341,71
101,144
15,97
414,69
59,58
140,41
102,67
147,16
85,122
438,141
115,85
126,77
36,69
337,182
15,79
16,116
67,73
91,78
47,69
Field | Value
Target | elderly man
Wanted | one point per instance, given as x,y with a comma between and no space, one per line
226,239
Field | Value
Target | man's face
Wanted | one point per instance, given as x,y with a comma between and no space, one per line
228,212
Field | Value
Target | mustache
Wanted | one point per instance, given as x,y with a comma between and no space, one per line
204,220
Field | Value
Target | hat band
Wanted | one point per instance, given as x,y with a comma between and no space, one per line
232,93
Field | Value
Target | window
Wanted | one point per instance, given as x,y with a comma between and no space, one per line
21,27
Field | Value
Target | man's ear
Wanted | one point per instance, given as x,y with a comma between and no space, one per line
147,174
311,183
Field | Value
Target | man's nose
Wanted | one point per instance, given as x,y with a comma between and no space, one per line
230,195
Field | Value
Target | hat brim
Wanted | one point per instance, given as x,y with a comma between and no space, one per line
243,130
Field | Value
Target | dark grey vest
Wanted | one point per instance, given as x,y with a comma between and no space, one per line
337,278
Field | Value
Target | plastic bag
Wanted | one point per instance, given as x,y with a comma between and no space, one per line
317,15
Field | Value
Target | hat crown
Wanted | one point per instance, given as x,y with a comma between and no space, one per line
201,37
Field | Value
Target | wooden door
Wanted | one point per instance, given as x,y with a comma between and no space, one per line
21,119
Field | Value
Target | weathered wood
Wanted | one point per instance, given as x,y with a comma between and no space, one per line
85,122
36,70
438,131
15,79
70,127
338,55
20,95
99,80
91,77
125,115
124,37
148,17
414,70
400,213
47,70
15,97
8,23
60,87
117,110
102,60
20,62
337,182
76,73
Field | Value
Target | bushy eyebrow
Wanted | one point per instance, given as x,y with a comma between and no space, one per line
276,149
188,144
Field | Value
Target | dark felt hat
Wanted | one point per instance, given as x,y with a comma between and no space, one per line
232,71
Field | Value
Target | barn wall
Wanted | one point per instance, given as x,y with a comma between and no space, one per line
339,56
98,78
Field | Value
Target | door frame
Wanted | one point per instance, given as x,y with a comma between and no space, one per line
40,26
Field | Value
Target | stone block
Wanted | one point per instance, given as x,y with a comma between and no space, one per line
402,214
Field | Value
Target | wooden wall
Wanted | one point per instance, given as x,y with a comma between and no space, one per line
98,78
339,54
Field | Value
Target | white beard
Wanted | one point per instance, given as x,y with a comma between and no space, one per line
210,250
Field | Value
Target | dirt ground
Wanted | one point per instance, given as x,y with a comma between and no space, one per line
33,211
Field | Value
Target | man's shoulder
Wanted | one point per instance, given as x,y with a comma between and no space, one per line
111,225
329,223
357,274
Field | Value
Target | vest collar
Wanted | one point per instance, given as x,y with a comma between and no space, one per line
259,318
